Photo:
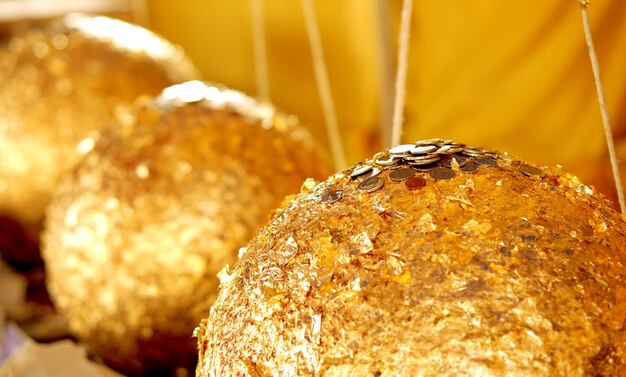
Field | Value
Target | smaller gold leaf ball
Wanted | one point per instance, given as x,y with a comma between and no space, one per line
136,236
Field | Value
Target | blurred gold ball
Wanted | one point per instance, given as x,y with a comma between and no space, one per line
135,237
422,262
61,82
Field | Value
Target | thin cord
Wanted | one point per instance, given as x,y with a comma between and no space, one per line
385,69
323,86
403,59
260,50
610,143
139,10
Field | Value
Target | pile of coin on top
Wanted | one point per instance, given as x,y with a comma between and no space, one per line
432,156
433,259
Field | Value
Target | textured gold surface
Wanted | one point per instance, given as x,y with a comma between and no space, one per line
497,272
62,81
136,236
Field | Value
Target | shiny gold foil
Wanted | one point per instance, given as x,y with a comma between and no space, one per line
503,271
136,236
59,83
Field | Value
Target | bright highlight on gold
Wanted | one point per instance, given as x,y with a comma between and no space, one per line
431,259
165,198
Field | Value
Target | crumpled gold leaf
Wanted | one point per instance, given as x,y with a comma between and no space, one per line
507,270
137,234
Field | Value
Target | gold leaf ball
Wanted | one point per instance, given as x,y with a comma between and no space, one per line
60,83
430,259
135,237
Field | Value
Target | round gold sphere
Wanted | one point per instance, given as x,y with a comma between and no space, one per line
136,236
59,83
430,259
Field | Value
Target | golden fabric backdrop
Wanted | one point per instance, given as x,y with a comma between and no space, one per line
509,75
218,36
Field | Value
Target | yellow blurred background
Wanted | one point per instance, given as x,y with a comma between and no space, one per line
508,75
513,76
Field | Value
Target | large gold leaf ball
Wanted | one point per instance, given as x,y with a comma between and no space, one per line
431,259
59,83
135,237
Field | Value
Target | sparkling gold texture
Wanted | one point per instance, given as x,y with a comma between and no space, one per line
59,83
476,264
136,236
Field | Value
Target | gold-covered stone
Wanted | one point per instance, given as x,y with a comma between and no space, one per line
61,82
492,272
136,236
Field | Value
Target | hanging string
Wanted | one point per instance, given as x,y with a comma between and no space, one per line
139,10
260,50
610,143
403,60
385,69
323,85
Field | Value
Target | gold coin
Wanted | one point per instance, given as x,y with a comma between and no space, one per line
415,183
